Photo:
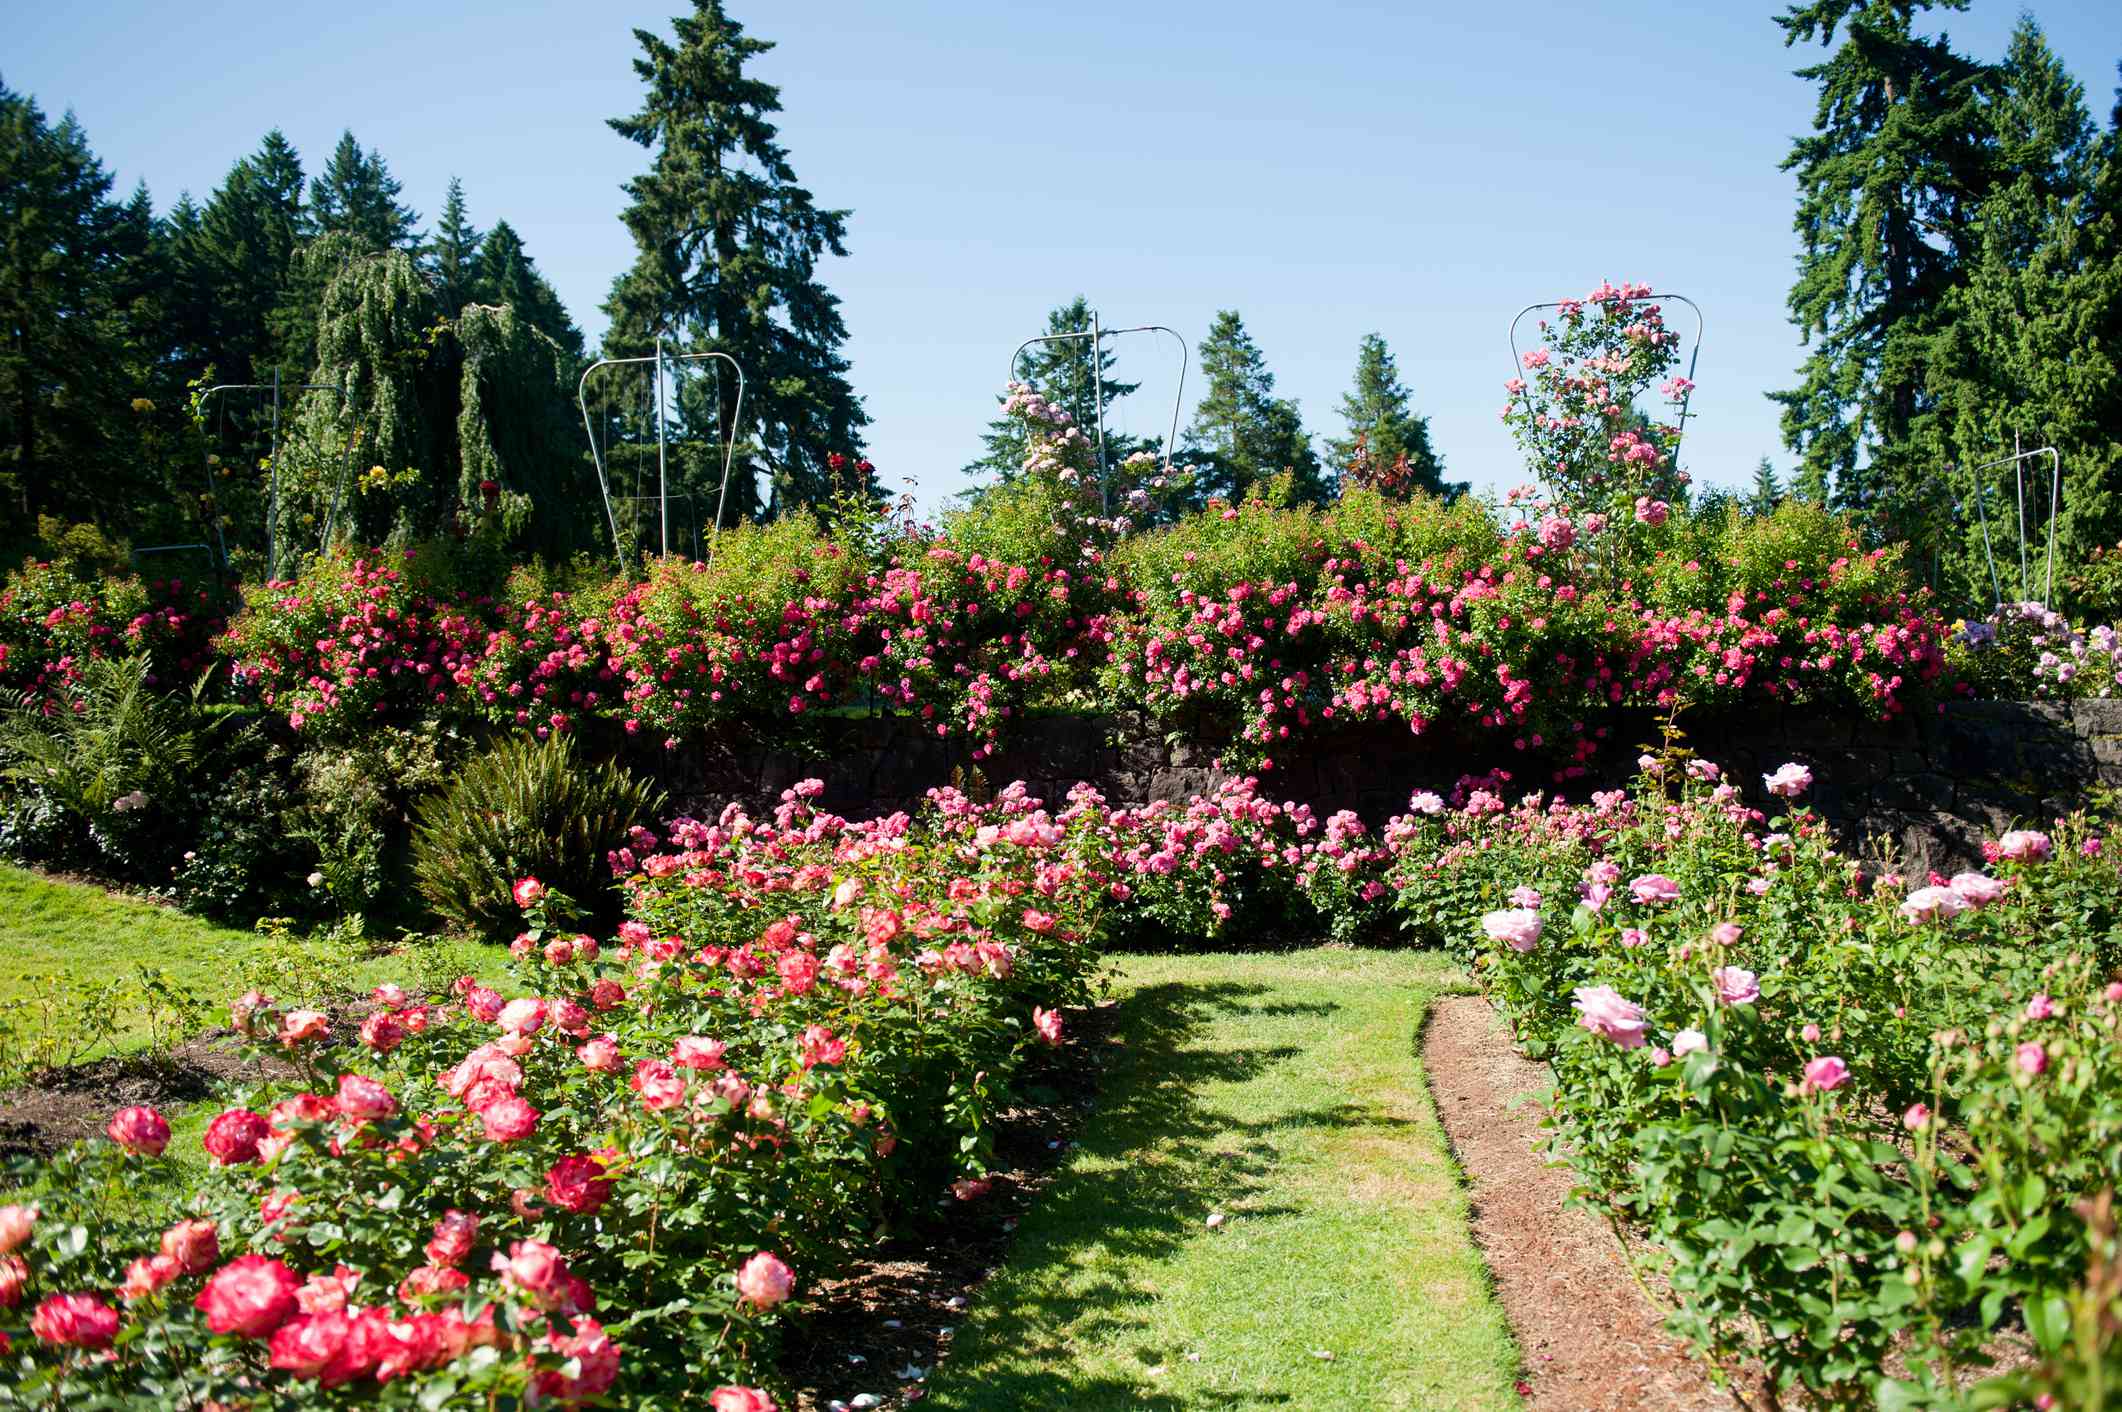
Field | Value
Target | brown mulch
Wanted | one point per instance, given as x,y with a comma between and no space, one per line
63,1106
1592,1341
896,1310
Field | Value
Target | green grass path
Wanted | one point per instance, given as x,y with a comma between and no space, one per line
1284,1090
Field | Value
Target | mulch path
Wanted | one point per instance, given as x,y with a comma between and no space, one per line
1592,1341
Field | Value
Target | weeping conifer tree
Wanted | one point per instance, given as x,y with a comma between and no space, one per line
728,247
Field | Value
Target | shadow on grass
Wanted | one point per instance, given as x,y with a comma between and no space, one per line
1173,1162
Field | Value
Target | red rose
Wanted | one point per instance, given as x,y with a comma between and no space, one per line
594,1355
307,1344
75,1321
194,1245
607,995
233,1137
250,1296
455,1234
528,892
508,1118
740,1399
382,1032
577,1184
140,1130
14,1274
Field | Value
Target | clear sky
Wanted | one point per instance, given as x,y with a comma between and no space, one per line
1327,169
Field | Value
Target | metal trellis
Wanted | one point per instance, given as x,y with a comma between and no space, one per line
272,510
729,442
1517,367
2017,461
1097,334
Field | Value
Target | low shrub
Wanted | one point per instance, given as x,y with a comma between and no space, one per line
526,807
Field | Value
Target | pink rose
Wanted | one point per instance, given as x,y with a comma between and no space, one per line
1789,781
16,1223
389,994
195,1245
250,1296
698,1052
146,1275
1655,887
2032,1057
1725,933
2025,846
1826,1074
1977,889
2041,1007
508,1118
1735,985
382,1032
740,1399
1601,1010
1634,937
1933,904
75,1321
363,1100
1047,1023
1690,1042
536,1270
310,1343
14,1276
765,1280
455,1234
601,1055
528,892
1518,928
524,1017
139,1130
1917,1118
658,1084
577,1184
590,1352
301,1026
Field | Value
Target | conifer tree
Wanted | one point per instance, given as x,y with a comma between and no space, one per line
356,195
238,259
728,248
508,275
1242,435
1767,491
453,252
1062,374
1380,422
1888,181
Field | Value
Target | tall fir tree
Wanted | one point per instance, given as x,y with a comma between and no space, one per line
238,257
355,195
1767,491
728,249
1383,425
1062,374
453,252
508,275
1889,180
1242,435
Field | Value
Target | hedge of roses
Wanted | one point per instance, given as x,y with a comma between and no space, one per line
52,621
605,1184
1858,1115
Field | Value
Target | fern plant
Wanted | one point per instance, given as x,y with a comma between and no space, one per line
526,809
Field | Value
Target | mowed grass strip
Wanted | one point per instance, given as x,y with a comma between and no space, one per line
1284,1091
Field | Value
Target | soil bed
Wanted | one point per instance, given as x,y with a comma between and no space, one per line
63,1106
1592,1342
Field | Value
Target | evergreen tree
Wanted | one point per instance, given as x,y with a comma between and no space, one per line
453,253
1888,183
508,275
1242,435
1382,425
236,261
356,195
1767,493
1062,374
729,246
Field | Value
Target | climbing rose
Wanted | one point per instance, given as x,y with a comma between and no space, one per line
233,1137
140,1130
75,1321
577,1184
1601,1010
1826,1073
1518,928
528,892
1789,781
765,1280
194,1245
1735,985
2024,846
250,1296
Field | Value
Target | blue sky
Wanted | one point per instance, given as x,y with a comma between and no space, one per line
1327,169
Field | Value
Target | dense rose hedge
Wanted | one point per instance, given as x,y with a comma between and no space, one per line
1858,1115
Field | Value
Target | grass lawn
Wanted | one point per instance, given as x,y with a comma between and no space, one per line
1286,1092
89,935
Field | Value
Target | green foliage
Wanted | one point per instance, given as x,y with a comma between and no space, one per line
355,195
116,748
1062,374
1242,435
526,809
1387,443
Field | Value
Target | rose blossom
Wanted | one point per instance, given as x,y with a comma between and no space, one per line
146,1275
1601,1010
1735,985
2032,1057
2041,1007
1690,1042
195,1245
1725,933
658,1084
1518,928
577,1184
1917,1118
528,892
1826,1073
1977,889
1655,887
250,1296
1933,904
455,1233
363,1100
75,1321
14,1274
600,1054
535,1269
1789,781
1634,937
382,1032
139,1130
765,1280
740,1399
16,1222
1047,1023
508,1118
593,1355
697,1052
525,1017
301,1026
2025,846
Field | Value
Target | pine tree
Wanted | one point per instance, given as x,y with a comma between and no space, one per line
1382,425
453,253
1242,435
1767,493
237,260
729,246
356,195
508,275
1062,374
1888,184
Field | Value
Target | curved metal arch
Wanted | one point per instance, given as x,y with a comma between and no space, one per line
272,509
1098,335
1516,367
2017,460
729,442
